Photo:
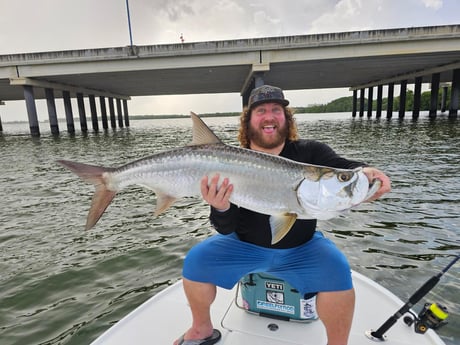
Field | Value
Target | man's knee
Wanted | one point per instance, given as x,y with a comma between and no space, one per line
195,259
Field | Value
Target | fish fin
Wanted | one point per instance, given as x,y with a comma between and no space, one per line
164,201
102,196
280,225
101,200
201,133
87,172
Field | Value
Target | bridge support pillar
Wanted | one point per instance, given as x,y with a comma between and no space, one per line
402,99
68,112
378,112
113,122
391,89
454,93
445,89
31,110
82,112
1,126
417,97
52,114
125,112
354,103
120,113
369,101
258,79
434,94
361,103
245,95
92,107
105,124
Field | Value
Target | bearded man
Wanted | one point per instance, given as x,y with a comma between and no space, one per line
304,258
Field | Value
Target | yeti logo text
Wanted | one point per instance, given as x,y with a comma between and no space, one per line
274,286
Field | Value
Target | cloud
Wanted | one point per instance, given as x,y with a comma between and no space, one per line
357,15
176,10
434,4
44,25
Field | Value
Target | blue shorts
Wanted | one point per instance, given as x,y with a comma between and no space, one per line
315,266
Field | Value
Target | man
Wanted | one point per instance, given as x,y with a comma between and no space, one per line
304,257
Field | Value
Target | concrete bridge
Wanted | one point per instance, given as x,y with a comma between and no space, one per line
359,60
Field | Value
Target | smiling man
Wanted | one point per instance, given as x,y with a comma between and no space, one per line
304,257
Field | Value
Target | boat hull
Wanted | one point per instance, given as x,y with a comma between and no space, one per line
165,316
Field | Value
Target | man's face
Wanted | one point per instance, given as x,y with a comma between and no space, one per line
267,126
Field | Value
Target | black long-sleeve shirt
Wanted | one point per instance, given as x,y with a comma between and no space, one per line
254,227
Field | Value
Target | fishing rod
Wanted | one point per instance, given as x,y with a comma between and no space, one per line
432,316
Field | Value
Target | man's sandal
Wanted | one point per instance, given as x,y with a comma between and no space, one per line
212,339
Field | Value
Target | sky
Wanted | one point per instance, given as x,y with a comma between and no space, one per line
51,25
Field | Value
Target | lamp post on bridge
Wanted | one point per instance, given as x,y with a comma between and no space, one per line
129,25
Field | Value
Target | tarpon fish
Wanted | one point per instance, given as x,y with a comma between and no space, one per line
284,189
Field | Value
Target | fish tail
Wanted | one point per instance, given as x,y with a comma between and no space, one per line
101,200
102,196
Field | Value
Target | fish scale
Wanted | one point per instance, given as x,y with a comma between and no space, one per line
251,175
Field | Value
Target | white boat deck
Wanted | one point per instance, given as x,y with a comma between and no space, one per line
164,317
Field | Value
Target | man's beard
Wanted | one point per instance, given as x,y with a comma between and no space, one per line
257,137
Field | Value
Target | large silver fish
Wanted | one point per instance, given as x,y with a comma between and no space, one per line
264,183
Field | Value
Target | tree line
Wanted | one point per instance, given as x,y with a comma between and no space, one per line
343,104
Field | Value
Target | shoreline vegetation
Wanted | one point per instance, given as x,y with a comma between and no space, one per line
342,104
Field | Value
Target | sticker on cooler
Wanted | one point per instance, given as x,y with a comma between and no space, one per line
308,308
282,308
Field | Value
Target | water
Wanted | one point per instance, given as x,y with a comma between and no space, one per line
62,285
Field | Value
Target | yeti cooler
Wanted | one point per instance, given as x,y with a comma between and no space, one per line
270,296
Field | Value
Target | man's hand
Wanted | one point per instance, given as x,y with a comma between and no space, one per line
215,195
372,174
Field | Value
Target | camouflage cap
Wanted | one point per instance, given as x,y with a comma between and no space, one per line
265,94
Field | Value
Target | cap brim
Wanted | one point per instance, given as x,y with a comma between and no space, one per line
283,102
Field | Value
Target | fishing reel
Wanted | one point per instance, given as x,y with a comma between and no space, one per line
431,316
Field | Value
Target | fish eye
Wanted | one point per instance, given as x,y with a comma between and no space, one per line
344,176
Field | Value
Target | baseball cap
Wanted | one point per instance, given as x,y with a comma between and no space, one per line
265,94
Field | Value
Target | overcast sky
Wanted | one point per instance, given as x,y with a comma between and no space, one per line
48,25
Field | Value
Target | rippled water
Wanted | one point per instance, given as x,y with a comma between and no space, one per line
62,285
